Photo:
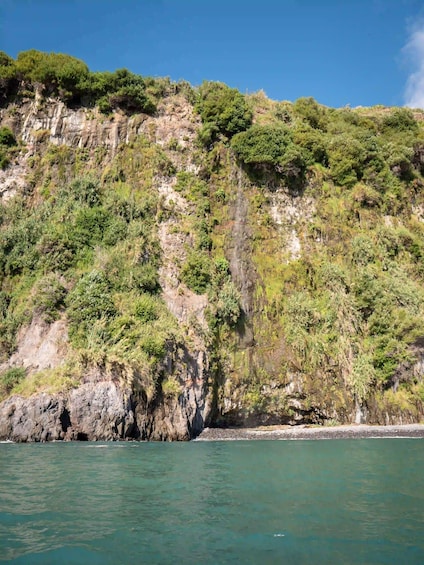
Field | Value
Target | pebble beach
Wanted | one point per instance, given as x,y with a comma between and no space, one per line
312,432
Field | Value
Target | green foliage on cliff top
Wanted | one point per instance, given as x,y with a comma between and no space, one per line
224,111
64,76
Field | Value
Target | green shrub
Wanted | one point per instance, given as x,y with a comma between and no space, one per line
363,250
89,226
171,388
8,330
191,186
310,111
227,306
56,250
8,78
387,355
114,230
82,191
196,272
398,157
69,79
154,345
292,164
365,195
60,74
146,309
6,137
284,112
300,310
120,89
4,304
90,300
400,120
4,160
17,245
262,144
362,377
333,277
312,143
10,378
223,111
48,297
346,156
368,290
388,241
145,278
7,140
270,147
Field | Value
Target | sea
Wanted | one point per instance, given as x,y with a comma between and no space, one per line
356,501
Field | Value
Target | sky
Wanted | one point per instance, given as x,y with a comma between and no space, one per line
341,52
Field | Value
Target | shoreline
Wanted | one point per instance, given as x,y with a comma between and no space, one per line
352,431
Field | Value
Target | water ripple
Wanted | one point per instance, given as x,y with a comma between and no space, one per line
357,501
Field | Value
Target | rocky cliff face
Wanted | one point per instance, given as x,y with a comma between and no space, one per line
246,373
102,407
100,411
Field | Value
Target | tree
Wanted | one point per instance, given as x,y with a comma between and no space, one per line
223,110
270,146
311,112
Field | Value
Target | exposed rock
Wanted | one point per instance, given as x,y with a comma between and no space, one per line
65,126
100,411
13,179
103,411
175,121
289,212
40,418
242,269
182,416
60,125
184,304
94,411
40,346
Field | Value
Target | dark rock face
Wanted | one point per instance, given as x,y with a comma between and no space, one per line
100,411
37,419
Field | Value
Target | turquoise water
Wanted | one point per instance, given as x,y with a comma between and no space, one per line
300,502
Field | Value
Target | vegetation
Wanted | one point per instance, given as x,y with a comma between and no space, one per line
339,311
63,76
224,112
9,379
7,141
87,250
270,147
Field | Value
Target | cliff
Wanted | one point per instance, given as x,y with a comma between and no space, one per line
210,259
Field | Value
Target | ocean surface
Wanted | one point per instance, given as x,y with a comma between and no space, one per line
266,502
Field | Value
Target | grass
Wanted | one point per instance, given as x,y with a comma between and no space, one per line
50,381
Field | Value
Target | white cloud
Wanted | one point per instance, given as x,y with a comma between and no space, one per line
414,51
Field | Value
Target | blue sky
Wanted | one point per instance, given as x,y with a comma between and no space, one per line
357,52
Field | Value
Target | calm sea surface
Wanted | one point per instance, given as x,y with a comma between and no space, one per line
300,502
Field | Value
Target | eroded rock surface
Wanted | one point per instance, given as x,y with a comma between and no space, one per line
40,418
101,411
40,346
